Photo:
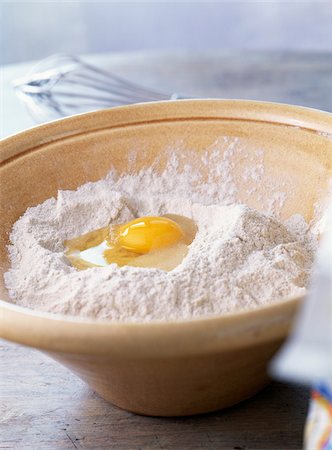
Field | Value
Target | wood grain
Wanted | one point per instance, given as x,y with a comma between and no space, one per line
43,406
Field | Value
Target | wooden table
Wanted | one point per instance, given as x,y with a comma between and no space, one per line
44,406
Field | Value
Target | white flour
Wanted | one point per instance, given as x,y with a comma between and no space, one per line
239,259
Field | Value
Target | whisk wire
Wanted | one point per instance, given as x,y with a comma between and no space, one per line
63,85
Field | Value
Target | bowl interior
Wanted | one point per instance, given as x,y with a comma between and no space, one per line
290,147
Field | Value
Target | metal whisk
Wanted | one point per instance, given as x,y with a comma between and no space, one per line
62,85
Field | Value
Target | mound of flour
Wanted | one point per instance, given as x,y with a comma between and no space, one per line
239,258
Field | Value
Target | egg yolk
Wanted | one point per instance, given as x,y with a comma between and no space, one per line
152,241
149,233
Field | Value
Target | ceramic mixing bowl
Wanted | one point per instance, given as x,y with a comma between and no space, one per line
171,368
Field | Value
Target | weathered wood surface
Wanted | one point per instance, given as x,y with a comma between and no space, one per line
44,406
300,78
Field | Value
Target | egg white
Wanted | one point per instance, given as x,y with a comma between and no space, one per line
94,255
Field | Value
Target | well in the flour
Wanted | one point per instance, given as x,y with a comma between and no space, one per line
156,242
237,259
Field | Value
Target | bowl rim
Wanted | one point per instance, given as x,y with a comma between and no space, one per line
202,335
292,115
42,330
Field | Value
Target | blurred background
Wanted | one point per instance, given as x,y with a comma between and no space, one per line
33,30
263,50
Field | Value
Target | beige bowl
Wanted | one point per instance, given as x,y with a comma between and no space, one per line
176,368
